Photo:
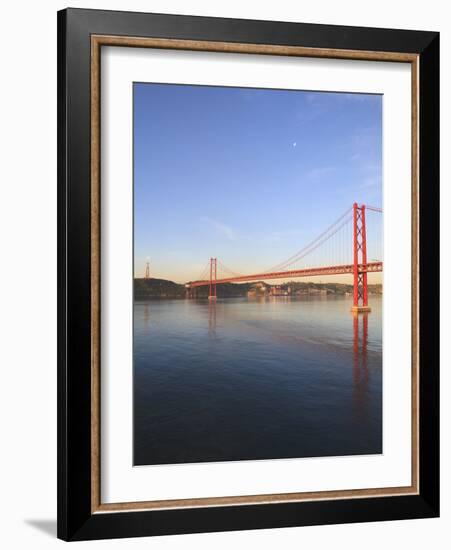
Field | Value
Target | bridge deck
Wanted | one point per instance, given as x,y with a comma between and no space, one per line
371,267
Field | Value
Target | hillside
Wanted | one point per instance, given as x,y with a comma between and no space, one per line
157,288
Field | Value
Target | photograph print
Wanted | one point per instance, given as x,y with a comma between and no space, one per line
258,274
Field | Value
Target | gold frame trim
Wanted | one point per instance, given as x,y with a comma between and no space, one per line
97,41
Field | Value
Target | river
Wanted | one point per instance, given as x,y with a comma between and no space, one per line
247,379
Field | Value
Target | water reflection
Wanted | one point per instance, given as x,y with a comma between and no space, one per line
242,379
212,318
146,315
360,351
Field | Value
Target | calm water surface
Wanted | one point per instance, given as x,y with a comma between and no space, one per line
255,379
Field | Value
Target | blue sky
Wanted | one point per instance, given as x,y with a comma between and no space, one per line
247,175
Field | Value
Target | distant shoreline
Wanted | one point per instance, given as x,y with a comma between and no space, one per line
163,289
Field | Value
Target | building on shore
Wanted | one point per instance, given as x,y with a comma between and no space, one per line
279,291
311,291
258,290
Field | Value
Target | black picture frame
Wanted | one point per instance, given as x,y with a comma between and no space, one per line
75,518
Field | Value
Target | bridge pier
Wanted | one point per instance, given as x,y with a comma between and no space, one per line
360,309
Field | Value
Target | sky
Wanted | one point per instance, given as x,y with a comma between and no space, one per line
249,176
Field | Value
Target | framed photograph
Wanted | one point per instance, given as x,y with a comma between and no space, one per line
248,274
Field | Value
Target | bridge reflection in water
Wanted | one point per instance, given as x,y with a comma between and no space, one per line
212,318
360,357
360,354
244,379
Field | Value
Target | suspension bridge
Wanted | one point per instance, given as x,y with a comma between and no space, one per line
344,242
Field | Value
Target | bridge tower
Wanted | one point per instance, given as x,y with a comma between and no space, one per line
213,277
360,291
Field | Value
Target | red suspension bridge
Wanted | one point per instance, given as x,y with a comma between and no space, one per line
349,228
